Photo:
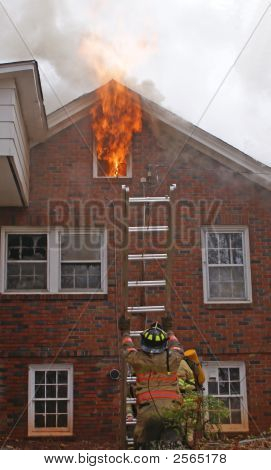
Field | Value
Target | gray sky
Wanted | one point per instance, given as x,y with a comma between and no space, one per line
175,52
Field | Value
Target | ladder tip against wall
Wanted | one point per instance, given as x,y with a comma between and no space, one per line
149,199
146,309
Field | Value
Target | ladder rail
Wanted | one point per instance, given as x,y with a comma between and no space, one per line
128,311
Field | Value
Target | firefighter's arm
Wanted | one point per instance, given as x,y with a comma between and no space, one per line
173,343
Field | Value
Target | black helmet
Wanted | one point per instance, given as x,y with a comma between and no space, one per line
154,339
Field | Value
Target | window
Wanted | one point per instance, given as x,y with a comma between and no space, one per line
226,267
81,261
50,408
26,262
106,169
57,261
227,381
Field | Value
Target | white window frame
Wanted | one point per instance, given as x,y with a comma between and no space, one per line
32,431
5,231
103,260
53,259
209,367
247,269
96,166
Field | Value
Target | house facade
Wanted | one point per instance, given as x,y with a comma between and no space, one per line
61,263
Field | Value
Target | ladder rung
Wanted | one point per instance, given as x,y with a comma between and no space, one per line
146,283
147,308
151,228
135,333
130,440
131,423
131,380
147,256
150,199
130,401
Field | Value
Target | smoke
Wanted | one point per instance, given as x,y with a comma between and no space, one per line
75,54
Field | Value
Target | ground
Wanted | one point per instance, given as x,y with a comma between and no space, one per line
55,444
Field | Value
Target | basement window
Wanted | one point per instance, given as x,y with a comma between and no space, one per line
226,265
50,410
26,261
227,382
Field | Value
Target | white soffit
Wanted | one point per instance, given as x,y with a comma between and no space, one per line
29,91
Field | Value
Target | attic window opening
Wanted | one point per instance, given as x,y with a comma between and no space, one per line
116,117
102,168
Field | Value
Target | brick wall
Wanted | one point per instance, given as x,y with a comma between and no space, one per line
82,329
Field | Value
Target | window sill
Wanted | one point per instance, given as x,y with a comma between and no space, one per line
118,179
50,433
53,296
227,302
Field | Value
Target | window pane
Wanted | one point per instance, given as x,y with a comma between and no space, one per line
236,240
214,289
62,391
225,290
236,417
84,276
40,407
225,256
62,376
237,257
39,391
213,256
62,406
81,282
51,377
212,240
214,274
223,388
235,388
223,373
50,407
234,373
81,246
225,401
235,403
67,282
27,247
224,240
28,276
95,282
225,274
238,290
237,274
39,421
50,391
51,421
39,377
62,421
213,388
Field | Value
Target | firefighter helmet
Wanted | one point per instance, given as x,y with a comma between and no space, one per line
154,339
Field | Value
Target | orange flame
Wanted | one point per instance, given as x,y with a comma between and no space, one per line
116,117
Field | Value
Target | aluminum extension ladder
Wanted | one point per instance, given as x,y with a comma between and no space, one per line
142,310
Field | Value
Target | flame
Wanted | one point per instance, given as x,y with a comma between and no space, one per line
115,118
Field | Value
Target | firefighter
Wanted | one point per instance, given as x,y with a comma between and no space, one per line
187,385
190,379
157,392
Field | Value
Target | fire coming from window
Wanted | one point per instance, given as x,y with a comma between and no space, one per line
116,117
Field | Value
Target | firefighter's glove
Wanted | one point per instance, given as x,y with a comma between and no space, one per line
124,324
167,323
